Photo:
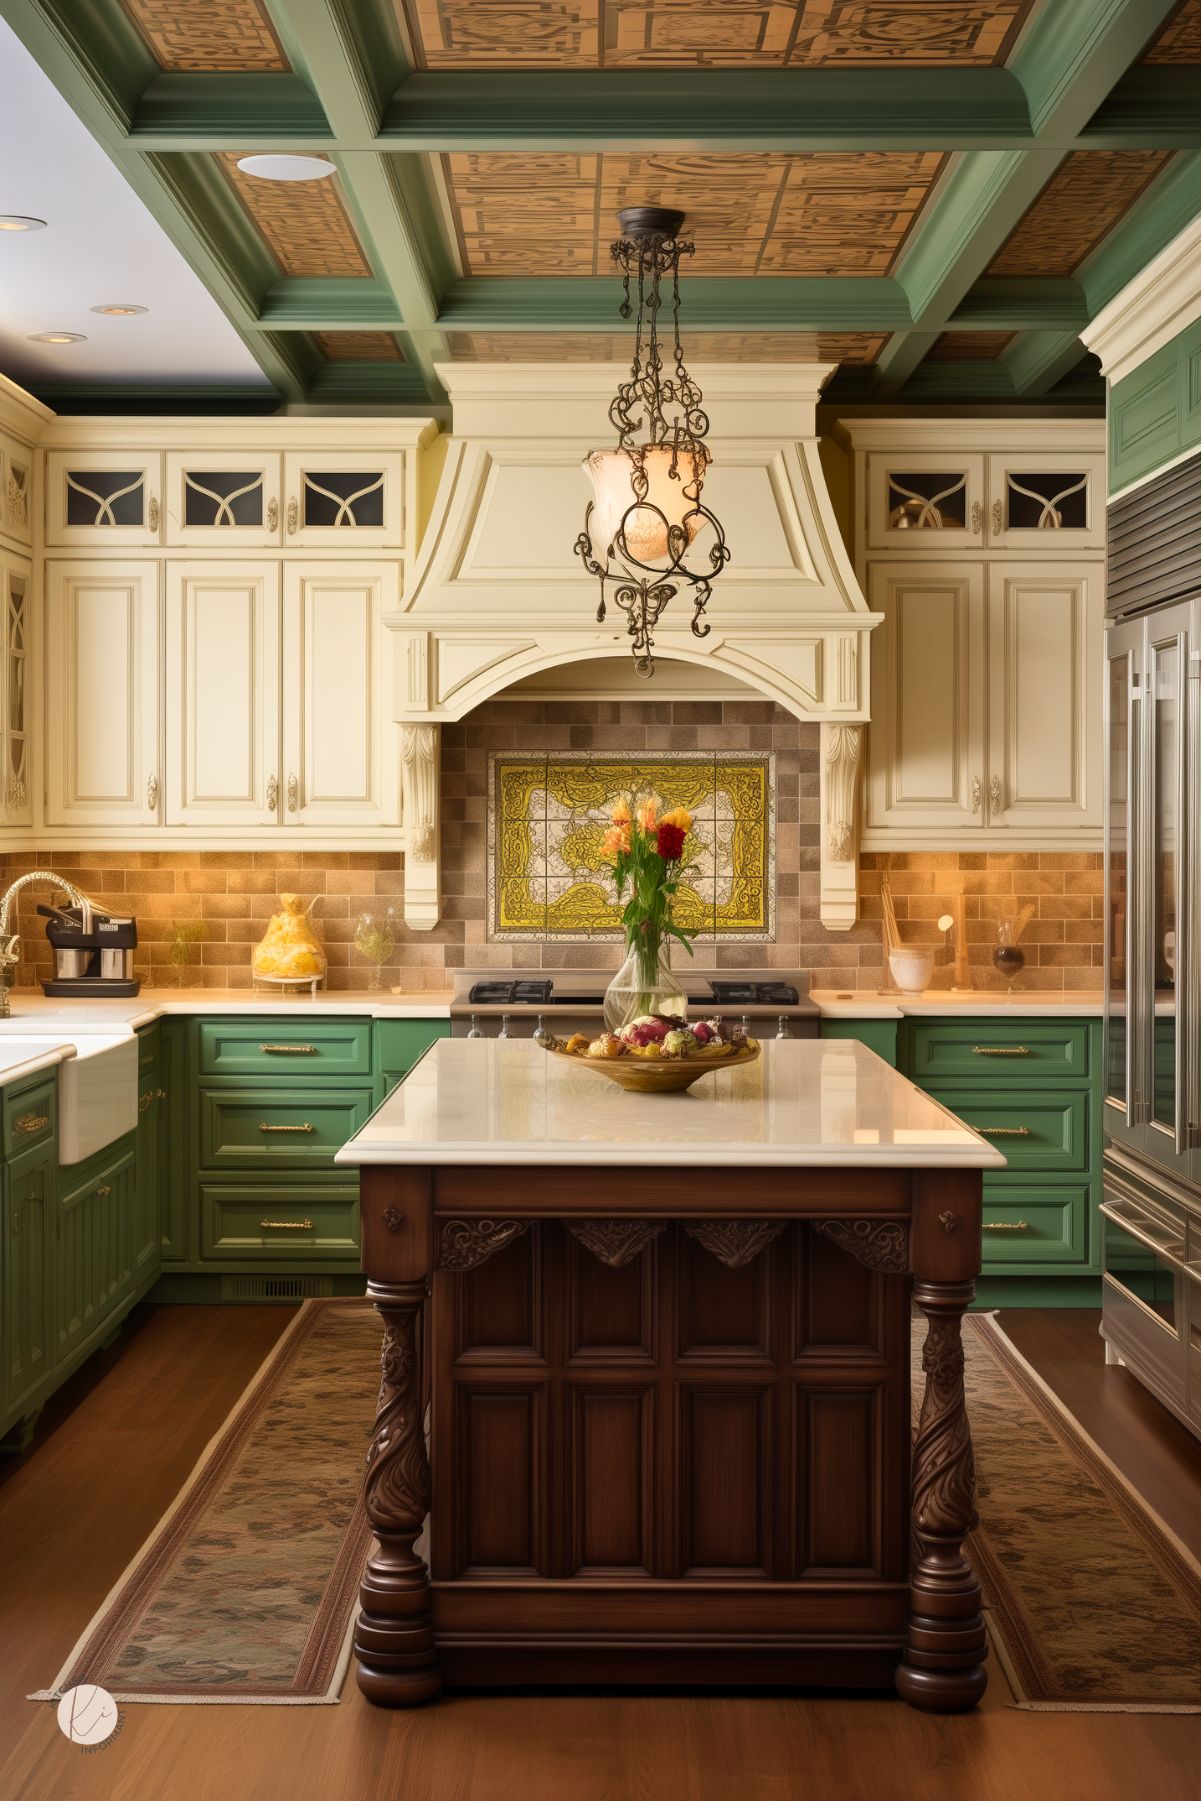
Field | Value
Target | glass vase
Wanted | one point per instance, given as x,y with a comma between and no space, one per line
644,984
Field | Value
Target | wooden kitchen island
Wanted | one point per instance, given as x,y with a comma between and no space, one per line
664,1343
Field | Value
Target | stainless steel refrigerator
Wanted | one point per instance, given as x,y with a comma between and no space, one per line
1151,1208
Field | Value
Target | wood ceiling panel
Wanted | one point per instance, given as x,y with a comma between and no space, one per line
819,214
1180,40
359,346
682,34
208,35
699,347
1080,205
305,223
969,346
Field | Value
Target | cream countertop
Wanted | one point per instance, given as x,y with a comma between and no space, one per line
42,1011
807,1103
982,1003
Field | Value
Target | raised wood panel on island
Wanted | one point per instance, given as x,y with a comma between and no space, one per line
668,1435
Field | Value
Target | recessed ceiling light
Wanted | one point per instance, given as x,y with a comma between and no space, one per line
57,337
286,168
20,222
118,310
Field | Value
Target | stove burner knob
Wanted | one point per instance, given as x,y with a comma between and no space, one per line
782,1030
475,1027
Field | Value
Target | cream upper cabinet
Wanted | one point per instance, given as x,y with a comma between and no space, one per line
926,739
343,501
1045,670
1046,502
110,498
16,603
223,500
102,694
340,747
222,694
924,500
16,489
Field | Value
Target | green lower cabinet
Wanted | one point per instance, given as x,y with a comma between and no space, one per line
399,1043
93,1242
879,1035
278,1127
147,1229
1044,1131
1029,1225
28,1290
173,1127
273,1222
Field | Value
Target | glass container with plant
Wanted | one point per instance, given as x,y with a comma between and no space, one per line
375,939
646,850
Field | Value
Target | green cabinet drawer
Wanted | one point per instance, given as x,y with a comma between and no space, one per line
1040,1129
1002,1052
294,1127
400,1042
272,1048
1034,1225
28,1114
279,1224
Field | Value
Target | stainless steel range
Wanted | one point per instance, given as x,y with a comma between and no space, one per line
774,1003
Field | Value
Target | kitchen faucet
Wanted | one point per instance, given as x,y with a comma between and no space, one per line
9,953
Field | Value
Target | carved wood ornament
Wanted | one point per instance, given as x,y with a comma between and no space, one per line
877,1244
466,1243
841,745
735,1242
419,774
614,1241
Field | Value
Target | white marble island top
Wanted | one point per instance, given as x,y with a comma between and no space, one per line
807,1103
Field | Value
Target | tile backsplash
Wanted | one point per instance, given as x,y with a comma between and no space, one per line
231,894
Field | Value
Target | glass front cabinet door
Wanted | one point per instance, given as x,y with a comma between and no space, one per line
925,500
1040,503
344,501
15,796
224,499
109,497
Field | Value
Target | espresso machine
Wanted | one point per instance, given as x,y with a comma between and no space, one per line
93,952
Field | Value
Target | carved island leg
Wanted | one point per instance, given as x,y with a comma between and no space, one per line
394,1637
942,1670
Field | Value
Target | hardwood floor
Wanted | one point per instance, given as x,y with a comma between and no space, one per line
117,1443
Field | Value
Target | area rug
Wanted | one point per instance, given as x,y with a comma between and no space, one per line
246,1591
1093,1604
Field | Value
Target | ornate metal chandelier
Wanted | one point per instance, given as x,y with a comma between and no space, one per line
647,533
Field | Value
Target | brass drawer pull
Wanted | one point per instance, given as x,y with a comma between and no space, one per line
285,1225
998,1225
1000,1050
144,1100
31,1122
305,1128
288,1050
1004,1131
103,1189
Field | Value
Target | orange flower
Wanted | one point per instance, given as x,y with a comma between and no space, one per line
648,814
616,840
622,811
678,816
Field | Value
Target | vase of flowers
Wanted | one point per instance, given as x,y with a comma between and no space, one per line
646,851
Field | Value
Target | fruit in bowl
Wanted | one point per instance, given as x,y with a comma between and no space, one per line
657,1038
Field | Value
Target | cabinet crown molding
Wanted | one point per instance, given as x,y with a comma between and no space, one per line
1150,310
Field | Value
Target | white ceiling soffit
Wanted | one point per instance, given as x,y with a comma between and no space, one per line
101,246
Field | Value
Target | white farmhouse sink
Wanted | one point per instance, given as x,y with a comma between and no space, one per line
97,1085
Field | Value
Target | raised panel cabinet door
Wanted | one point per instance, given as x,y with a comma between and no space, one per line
925,500
224,500
1046,503
340,743
926,738
1046,637
223,681
102,692
109,498
28,1290
344,500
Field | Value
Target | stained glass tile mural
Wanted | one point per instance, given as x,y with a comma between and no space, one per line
547,815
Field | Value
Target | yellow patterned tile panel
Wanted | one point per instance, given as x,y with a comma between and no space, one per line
547,814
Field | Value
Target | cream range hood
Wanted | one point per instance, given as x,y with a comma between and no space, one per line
498,595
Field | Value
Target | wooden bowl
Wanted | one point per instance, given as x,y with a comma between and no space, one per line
659,1075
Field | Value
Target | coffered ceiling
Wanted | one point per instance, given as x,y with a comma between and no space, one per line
935,194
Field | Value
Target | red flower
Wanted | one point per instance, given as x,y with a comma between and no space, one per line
670,843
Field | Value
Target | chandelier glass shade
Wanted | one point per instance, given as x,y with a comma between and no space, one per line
647,532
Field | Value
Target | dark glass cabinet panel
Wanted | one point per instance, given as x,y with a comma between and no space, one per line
1055,500
223,497
344,497
106,497
926,500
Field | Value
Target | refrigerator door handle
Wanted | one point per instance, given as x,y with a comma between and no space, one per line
1188,924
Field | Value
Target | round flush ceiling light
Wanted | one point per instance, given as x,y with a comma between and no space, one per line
57,337
20,222
118,310
286,168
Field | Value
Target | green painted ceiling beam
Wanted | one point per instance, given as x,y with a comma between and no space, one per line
1153,108
1039,360
235,112
1074,54
365,384
722,302
1020,303
327,303
1171,202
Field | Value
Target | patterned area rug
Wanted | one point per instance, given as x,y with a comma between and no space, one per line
1093,1604
246,1591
